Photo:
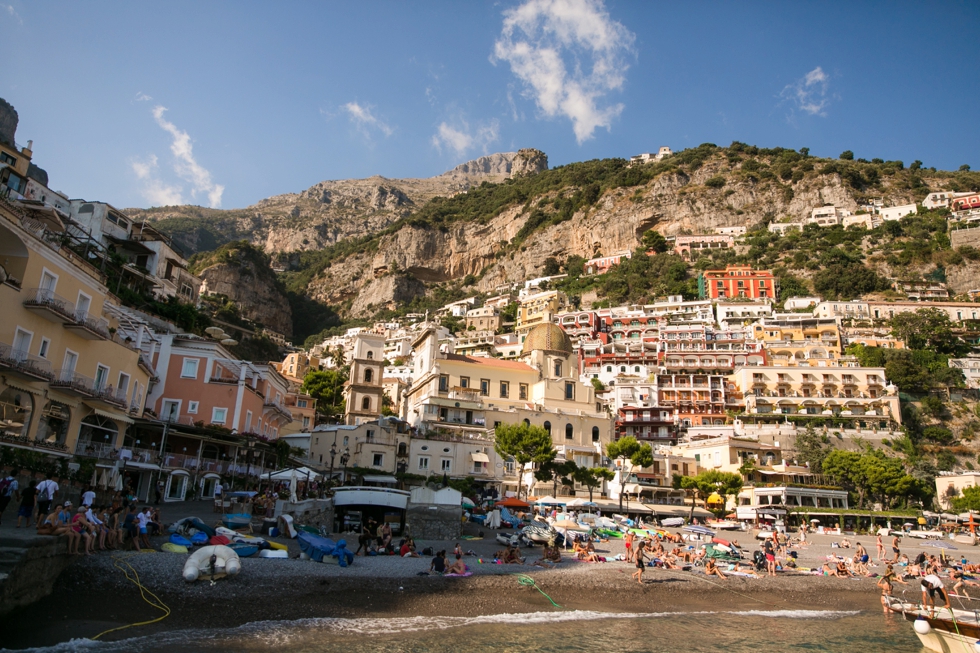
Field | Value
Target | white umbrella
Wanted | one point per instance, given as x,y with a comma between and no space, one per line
580,503
95,478
103,480
293,496
118,482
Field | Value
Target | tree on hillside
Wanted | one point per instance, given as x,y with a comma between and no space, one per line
628,451
810,449
592,477
654,241
926,328
327,387
551,266
524,444
846,155
845,281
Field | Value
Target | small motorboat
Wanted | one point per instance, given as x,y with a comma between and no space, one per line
244,549
942,630
211,562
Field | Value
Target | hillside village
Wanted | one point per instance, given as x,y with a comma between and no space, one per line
758,321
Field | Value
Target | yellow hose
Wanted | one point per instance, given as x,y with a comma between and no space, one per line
144,592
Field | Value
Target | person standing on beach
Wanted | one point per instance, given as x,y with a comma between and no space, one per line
881,547
628,541
8,490
895,549
46,492
26,510
770,557
638,574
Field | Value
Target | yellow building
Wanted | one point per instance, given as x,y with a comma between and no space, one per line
470,396
860,394
806,341
71,371
538,309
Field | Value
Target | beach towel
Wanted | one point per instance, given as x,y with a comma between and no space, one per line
469,573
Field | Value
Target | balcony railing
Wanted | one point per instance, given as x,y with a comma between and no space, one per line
25,363
101,450
44,298
69,380
94,324
113,396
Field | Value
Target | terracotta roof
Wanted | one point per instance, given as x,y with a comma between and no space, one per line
492,362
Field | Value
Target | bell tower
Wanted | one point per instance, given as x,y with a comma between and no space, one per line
364,391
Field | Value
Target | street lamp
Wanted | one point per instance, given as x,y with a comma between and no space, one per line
333,454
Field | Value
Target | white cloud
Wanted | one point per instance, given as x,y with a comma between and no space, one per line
13,13
156,192
364,119
142,97
569,54
460,139
810,93
185,165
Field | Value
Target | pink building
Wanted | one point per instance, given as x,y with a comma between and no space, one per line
602,264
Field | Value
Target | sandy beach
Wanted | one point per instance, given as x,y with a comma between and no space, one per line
93,595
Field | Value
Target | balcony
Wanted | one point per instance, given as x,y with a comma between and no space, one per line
277,405
85,325
49,305
112,396
72,383
100,450
27,366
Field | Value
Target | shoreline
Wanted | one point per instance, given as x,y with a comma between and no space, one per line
86,601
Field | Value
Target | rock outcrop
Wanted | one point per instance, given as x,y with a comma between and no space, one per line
242,274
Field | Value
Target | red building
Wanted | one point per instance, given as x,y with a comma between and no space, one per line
737,281
968,202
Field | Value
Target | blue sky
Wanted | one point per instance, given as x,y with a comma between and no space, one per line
224,103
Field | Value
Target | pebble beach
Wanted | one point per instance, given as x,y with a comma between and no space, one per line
93,594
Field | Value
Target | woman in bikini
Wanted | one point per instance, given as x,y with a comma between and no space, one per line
881,547
885,584
711,569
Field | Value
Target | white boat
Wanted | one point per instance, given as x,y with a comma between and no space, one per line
965,538
925,535
943,630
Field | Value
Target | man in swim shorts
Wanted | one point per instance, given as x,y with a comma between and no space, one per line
931,585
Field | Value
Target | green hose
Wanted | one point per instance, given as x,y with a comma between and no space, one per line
527,581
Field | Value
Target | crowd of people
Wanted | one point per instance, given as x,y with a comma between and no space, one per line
90,526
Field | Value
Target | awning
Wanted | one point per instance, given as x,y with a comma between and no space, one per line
109,415
380,479
480,457
632,488
139,465
179,472
23,387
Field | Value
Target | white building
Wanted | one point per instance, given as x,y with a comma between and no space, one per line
782,228
731,231
647,157
731,313
798,303
827,216
970,368
897,212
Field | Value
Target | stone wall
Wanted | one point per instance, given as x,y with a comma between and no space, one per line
434,522
960,237
29,566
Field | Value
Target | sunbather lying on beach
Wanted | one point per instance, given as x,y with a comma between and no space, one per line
512,556
551,557
961,582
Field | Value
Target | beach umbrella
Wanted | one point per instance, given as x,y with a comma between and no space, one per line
549,501
95,478
468,503
699,530
580,503
103,480
513,502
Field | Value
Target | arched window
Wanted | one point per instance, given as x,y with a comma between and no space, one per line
569,432
366,403
527,422
595,433
368,375
370,355
622,368
609,368
17,407
547,427
636,369
97,430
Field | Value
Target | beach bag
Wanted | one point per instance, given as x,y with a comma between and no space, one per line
427,551
4,486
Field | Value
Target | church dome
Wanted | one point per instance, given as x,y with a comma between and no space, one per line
549,338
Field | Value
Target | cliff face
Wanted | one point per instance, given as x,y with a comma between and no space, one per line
244,276
330,211
673,203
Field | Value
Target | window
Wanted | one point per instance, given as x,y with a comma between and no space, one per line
248,421
43,350
423,463
569,390
558,368
48,283
22,343
569,432
370,355
301,403
189,369
170,410
379,460
366,403
485,387
192,407
368,375
447,465
123,385
464,381
219,415
522,391
547,427
622,369
595,433
6,158
504,389
82,305
444,383
101,377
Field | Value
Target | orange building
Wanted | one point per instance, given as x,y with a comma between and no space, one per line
737,281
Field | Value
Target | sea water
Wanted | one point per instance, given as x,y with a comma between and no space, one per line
541,632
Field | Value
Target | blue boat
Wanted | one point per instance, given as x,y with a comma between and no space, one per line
243,549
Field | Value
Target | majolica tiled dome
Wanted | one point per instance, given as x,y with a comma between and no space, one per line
549,338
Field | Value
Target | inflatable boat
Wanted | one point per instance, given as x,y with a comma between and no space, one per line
211,563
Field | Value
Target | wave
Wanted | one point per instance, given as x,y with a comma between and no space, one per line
279,634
